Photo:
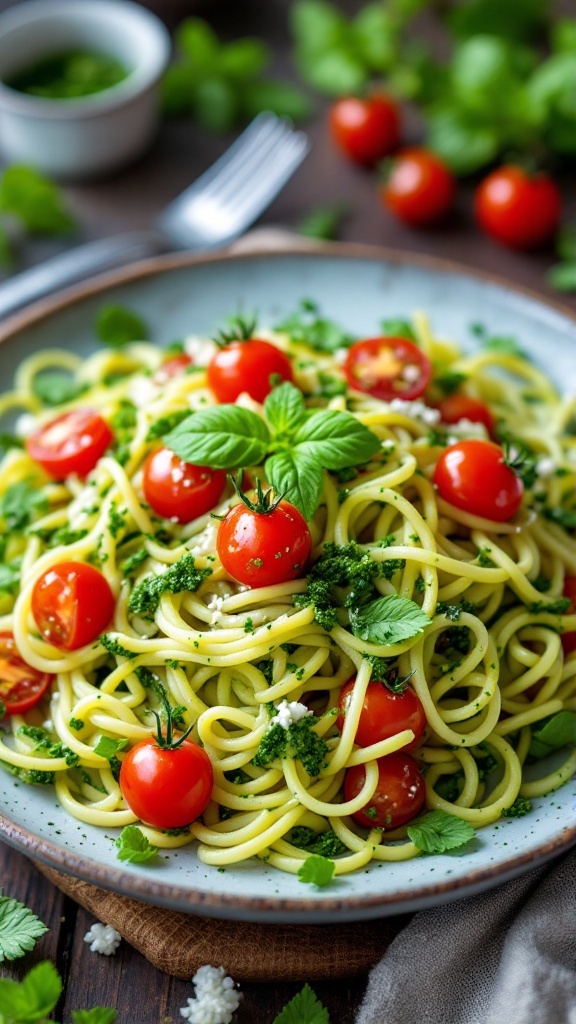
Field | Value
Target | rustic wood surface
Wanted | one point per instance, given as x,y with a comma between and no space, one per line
132,199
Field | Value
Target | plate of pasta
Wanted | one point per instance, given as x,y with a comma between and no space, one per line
288,583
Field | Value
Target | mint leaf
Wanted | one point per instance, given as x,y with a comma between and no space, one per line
117,326
388,620
552,733
34,998
97,1015
336,439
224,437
35,200
298,478
19,929
317,870
133,846
304,1008
438,831
55,388
284,408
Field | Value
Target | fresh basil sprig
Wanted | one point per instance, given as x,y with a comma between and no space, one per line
388,620
299,443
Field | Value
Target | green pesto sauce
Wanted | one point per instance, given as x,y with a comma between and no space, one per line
70,75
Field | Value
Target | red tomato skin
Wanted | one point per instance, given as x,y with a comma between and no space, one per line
166,788
384,714
172,367
247,366
390,357
569,639
399,795
420,188
365,130
72,604
473,476
517,210
29,689
178,490
262,549
456,407
71,443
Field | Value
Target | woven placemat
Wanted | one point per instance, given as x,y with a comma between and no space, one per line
179,944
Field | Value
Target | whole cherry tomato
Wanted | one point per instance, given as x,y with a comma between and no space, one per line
456,407
72,604
254,366
178,490
172,367
517,209
365,130
473,475
264,542
71,443
388,368
420,187
399,796
384,713
21,686
569,639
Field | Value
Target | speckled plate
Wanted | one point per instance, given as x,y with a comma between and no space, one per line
357,286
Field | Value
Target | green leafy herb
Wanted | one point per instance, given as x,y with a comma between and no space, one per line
117,326
35,201
19,929
299,741
8,441
562,516
10,576
342,577
552,733
317,870
224,437
388,620
437,832
69,75
304,1008
76,723
20,503
3,710
133,846
166,423
326,844
505,346
133,562
518,809
558,607
113,646
97,1015
54,387
323,222
109,748
183,575
397,327
307,327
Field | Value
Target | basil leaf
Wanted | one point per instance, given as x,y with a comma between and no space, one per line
225,437
464,146
283,98
216,104
438,831
562,277
108,748
243,59
117,326
298,478
55,388
388,620
553,733
323,222
35,200
284,408
336,439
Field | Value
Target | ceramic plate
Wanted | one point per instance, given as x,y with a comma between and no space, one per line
358,287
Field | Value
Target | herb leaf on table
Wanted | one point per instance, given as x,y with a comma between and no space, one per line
19,929
304,1008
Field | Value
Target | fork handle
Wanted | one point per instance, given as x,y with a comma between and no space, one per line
75,265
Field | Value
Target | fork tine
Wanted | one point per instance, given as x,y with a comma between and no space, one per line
259,191
248,160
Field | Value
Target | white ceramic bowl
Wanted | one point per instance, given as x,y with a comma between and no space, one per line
91,135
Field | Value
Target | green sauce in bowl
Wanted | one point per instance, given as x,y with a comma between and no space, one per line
69,76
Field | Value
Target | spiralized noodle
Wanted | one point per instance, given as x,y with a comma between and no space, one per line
226,654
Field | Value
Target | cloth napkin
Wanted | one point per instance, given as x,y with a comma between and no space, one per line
507,956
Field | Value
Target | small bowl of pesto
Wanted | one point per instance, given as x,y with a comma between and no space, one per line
78,84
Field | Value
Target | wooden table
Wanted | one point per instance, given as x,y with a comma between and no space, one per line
132,199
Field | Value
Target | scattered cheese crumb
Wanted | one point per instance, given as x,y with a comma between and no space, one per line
216,999
545,467
417,410
289,713
200,350
466,428
215,606
103,938
142,391
25,425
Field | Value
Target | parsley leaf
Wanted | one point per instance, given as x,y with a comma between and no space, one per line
97,1015
117,326
307,327
323,222
19,929
304,1008
34,998
133,846
388,620
109,748
183,575
317,870
437,832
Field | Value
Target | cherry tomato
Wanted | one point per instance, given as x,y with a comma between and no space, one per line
454,408
263,548
166,787
568,639
21,686
420,188
384,713
365,130
178,490
399,795
517,209
473,476
72,443
388,368
247,366
172,367
71,604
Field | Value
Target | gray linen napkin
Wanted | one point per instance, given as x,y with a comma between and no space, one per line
507,956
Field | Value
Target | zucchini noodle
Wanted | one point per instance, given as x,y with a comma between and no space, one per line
489,668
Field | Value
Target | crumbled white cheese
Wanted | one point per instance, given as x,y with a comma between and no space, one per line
103,938
416,410
388,444
411,373
466,428
48,725
25,425
142,391
545,467
215,606
205,541
289,713
340,355
216,999
200,350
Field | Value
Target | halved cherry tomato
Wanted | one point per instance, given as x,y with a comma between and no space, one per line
365,130
166,787
172,367
456,407
384,713
569,639
71,443
399,796
178,490
420,187
261,548
21,686
473,475
72,604
517,209
247,366
388,368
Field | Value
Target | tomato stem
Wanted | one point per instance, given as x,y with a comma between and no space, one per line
241,329
264,503
168,742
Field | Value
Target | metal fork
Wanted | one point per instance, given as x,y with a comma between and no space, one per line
211,212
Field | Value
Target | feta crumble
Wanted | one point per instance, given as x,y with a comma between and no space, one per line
417,410
201,350
142,391
545,467
215,606
465,429
289,713
216,999
103,938
25,425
